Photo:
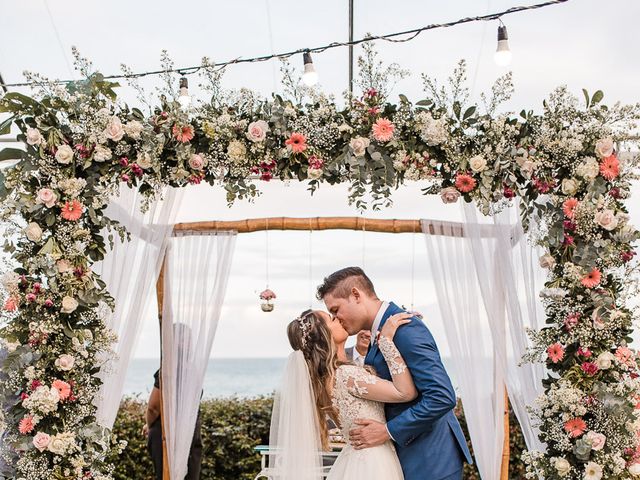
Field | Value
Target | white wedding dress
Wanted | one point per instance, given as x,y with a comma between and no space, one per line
358,394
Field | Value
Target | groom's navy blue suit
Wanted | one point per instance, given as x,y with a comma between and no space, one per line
428,437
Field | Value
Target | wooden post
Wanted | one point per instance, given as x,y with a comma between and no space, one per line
160,296
506,449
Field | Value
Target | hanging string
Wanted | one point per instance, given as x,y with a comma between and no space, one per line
266,236
310,265
364,243
413,266
391,37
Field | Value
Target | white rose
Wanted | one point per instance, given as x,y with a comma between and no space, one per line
133,129
635,469
569,186
33,232
314,173
528,167
449,195
257,131
604,147
46,197
596,440
34,137
41,441
359,146
57,445
606,219
114,130
65,362
605,360
478,163
64,155
69,304
144,160
562,466
197,162
547,261
588,169
236,150
101,154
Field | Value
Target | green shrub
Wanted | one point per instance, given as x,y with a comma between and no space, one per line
231,428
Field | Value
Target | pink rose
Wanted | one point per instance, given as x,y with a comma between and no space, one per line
604,147
46,197
596,440
114,130
41,441
34,137
197,162
257,131
449,195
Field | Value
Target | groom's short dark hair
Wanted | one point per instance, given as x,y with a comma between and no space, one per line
341,282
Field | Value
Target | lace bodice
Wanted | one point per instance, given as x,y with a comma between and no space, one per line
351,384
358,393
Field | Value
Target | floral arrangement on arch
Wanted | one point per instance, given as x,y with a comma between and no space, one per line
82,145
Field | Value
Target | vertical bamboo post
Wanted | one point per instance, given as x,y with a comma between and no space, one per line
506,451
160,296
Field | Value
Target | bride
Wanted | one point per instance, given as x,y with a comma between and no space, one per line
318,384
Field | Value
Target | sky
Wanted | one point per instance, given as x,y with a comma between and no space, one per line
582,44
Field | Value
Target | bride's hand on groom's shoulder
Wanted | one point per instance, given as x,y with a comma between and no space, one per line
393,323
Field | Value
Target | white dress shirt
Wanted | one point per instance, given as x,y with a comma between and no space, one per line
357,358
377,320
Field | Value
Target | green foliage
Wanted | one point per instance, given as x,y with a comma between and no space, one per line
231,428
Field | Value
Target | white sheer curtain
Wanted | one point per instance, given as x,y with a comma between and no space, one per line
196,275
478,370
508,257
130,270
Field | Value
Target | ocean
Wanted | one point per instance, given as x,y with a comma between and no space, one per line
225,377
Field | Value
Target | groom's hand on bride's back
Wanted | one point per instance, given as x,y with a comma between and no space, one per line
367,434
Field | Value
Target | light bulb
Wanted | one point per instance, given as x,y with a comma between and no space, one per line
503,55
184,99
310,76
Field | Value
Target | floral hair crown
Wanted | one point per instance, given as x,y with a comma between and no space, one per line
305,326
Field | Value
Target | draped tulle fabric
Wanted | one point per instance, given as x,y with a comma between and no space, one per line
130,270
195,279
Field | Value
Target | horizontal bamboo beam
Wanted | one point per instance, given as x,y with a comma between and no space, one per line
306,224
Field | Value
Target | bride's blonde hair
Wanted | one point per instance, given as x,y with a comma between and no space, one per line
310,334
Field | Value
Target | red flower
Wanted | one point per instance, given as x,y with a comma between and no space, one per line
72,210
297,142
508,192
183,134
610,167
575,427
465,183
589,368
592,279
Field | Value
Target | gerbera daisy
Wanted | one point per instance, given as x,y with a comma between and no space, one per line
183,133
569,207
591,279
610,167
465,183
26,425
555,352
297,142
575,427
72,210
383,130
64,389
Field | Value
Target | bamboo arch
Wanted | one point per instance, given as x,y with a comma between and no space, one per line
320,223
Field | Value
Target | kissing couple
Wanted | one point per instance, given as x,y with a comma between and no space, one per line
395,413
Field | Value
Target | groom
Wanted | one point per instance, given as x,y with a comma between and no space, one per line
428,438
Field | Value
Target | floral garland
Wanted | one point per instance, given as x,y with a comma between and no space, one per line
82,145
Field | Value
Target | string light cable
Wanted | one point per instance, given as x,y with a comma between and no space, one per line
396,37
